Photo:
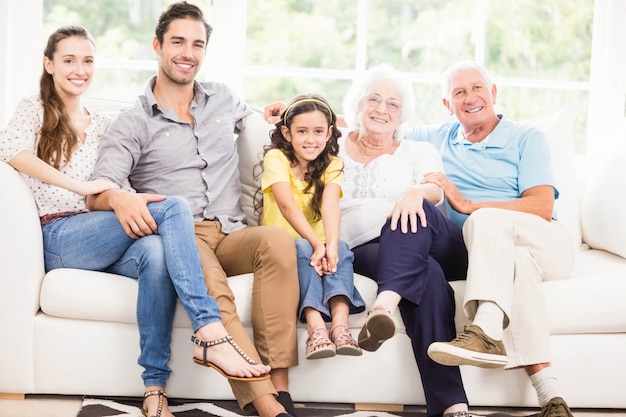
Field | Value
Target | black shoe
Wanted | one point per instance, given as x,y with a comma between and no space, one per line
285,400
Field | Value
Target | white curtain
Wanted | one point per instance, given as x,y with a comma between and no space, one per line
608,73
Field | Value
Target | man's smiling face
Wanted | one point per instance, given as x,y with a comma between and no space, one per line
183,49
471,98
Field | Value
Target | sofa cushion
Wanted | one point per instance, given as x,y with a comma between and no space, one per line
559,129
99,296
591,300
603,223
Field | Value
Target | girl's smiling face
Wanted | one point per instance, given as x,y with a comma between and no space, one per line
308,135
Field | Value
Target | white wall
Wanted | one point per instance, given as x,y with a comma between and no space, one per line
21,50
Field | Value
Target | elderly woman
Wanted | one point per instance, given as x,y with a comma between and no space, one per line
398,235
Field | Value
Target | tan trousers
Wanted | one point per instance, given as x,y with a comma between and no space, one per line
510,254
270,253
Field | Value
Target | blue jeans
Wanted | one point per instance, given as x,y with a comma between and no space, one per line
316,291
166,264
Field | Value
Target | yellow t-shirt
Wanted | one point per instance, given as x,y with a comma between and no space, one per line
276,169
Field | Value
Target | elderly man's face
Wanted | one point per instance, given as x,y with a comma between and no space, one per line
471,99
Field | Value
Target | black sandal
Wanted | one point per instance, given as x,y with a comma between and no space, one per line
229,340
161,395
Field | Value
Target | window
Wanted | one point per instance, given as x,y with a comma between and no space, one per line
540,53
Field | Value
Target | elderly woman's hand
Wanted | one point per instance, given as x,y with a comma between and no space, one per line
408,209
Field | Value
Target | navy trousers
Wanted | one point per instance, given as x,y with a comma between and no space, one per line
418,266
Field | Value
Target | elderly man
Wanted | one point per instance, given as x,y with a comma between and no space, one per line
500,189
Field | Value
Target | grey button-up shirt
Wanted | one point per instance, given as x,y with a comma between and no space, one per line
159,153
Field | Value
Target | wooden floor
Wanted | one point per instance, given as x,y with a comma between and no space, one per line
68,406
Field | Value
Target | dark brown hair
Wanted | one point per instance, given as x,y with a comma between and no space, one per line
57,137
305,103
180,10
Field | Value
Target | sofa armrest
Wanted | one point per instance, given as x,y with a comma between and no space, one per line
21,276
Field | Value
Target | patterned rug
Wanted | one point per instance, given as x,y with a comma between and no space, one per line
131,407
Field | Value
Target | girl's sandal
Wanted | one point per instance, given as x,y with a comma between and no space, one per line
344,342
318,345
229,340
161,395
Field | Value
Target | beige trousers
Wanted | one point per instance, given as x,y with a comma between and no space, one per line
510,254
270,253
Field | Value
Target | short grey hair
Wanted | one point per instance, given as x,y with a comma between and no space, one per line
358,91
462,66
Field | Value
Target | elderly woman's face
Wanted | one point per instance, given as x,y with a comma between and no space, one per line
380,110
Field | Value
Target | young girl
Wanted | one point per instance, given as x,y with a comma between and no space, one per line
301,186
53,140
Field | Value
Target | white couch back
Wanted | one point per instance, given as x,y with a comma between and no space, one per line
558,128
602,214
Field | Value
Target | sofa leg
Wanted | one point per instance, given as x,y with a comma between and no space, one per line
11,396
397,408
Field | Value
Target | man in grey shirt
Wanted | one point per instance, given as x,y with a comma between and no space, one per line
178,139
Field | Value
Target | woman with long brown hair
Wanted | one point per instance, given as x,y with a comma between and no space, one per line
53,140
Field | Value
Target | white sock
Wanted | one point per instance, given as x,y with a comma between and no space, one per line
546,385
388,300
489,317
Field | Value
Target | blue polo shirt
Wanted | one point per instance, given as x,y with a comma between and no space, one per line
512,159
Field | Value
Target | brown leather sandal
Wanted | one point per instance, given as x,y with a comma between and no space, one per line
161,395
344,342
379,326
229,340
318,345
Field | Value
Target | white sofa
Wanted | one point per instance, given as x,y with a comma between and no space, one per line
74,332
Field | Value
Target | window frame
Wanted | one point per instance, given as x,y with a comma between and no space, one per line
606,85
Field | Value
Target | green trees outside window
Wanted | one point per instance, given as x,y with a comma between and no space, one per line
538,51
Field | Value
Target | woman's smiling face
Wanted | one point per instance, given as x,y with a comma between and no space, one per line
72,66
380,110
